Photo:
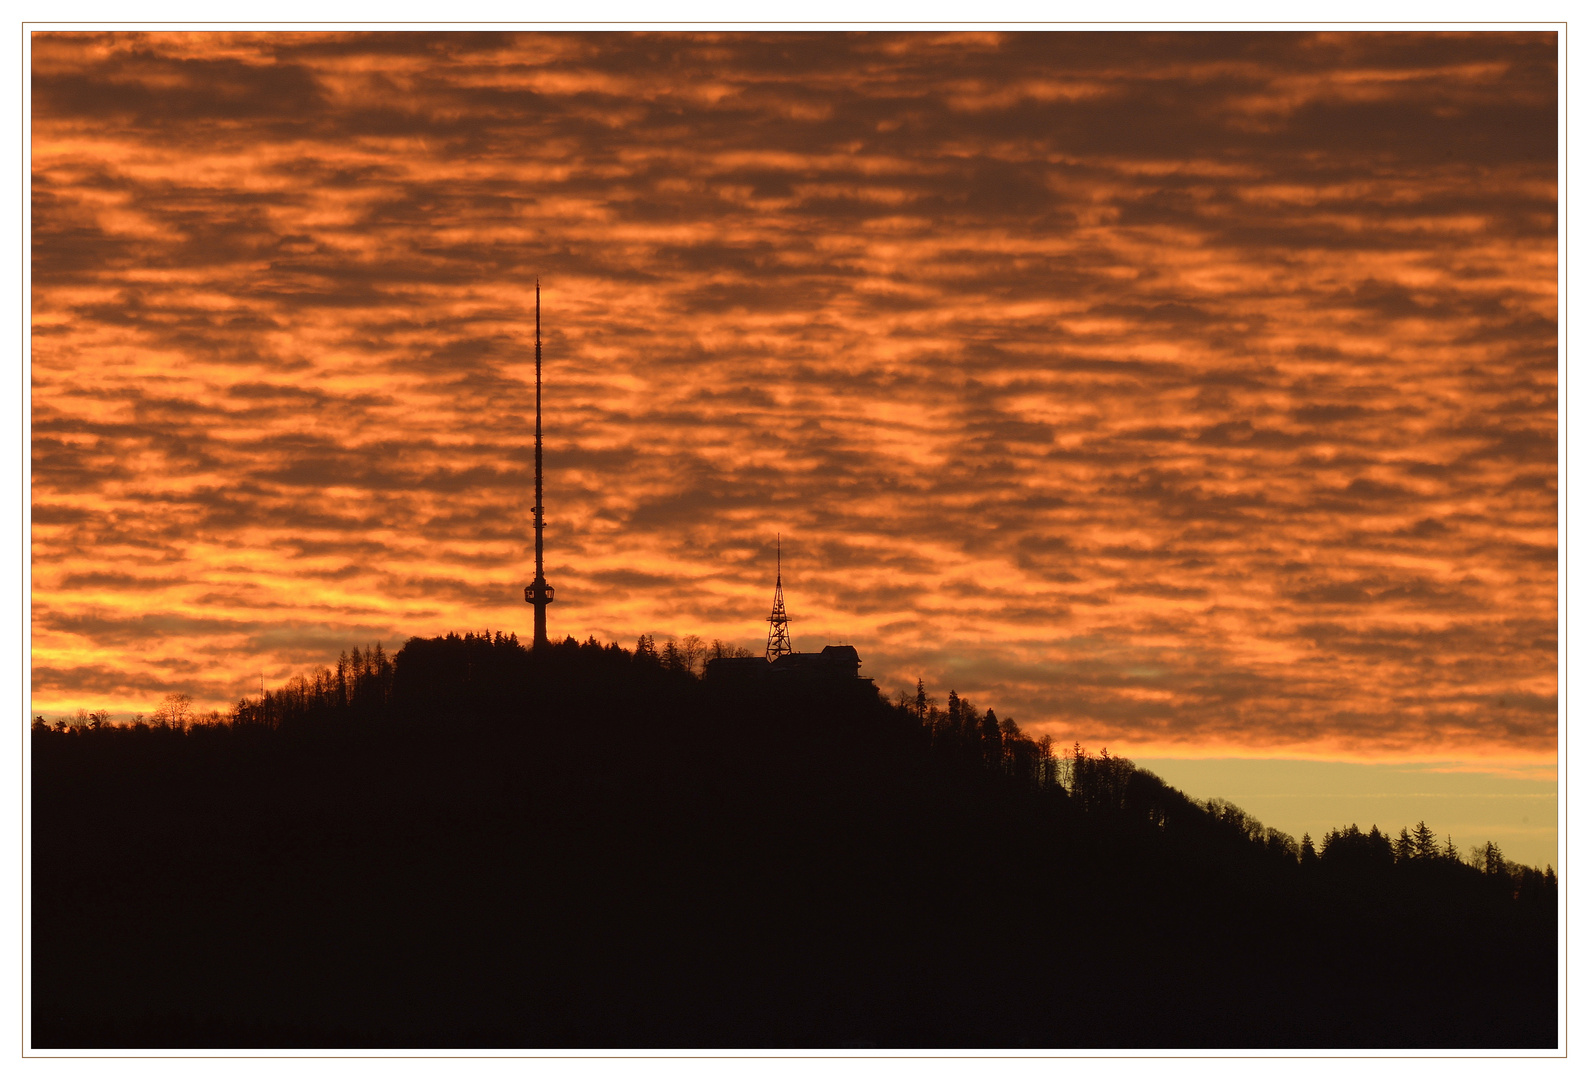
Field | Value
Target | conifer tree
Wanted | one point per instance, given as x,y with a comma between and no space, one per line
992,740
1423,842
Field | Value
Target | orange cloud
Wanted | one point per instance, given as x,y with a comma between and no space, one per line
1180,391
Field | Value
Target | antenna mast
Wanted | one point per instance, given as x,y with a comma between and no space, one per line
538,592
778,632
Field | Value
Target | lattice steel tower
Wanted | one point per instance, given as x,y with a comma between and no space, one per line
538,592
778,630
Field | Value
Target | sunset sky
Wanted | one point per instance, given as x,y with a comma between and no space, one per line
1191,395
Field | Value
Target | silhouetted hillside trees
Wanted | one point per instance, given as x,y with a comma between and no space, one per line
1350,850
359,688
471,843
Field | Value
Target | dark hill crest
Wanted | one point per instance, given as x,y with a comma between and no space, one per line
477,844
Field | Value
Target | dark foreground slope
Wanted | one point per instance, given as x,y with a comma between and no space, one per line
586,850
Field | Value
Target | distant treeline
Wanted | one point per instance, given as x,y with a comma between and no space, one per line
471,843
460,674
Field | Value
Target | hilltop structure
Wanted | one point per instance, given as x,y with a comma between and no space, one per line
778,643
781,664
538,592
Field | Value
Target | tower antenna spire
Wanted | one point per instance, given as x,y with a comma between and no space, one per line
778,630
538,592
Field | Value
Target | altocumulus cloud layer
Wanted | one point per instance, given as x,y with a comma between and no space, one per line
1166,391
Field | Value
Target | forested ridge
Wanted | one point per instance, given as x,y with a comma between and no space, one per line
470,844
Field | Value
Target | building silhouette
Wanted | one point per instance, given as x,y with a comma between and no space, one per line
782,664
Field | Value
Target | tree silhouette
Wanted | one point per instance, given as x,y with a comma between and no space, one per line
1423,842
174,710
692,651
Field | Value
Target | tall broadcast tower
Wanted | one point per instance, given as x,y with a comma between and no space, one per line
538,592
778,632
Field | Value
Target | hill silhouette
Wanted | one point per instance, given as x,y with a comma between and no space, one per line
471,844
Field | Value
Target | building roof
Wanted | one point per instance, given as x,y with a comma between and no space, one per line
833,662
